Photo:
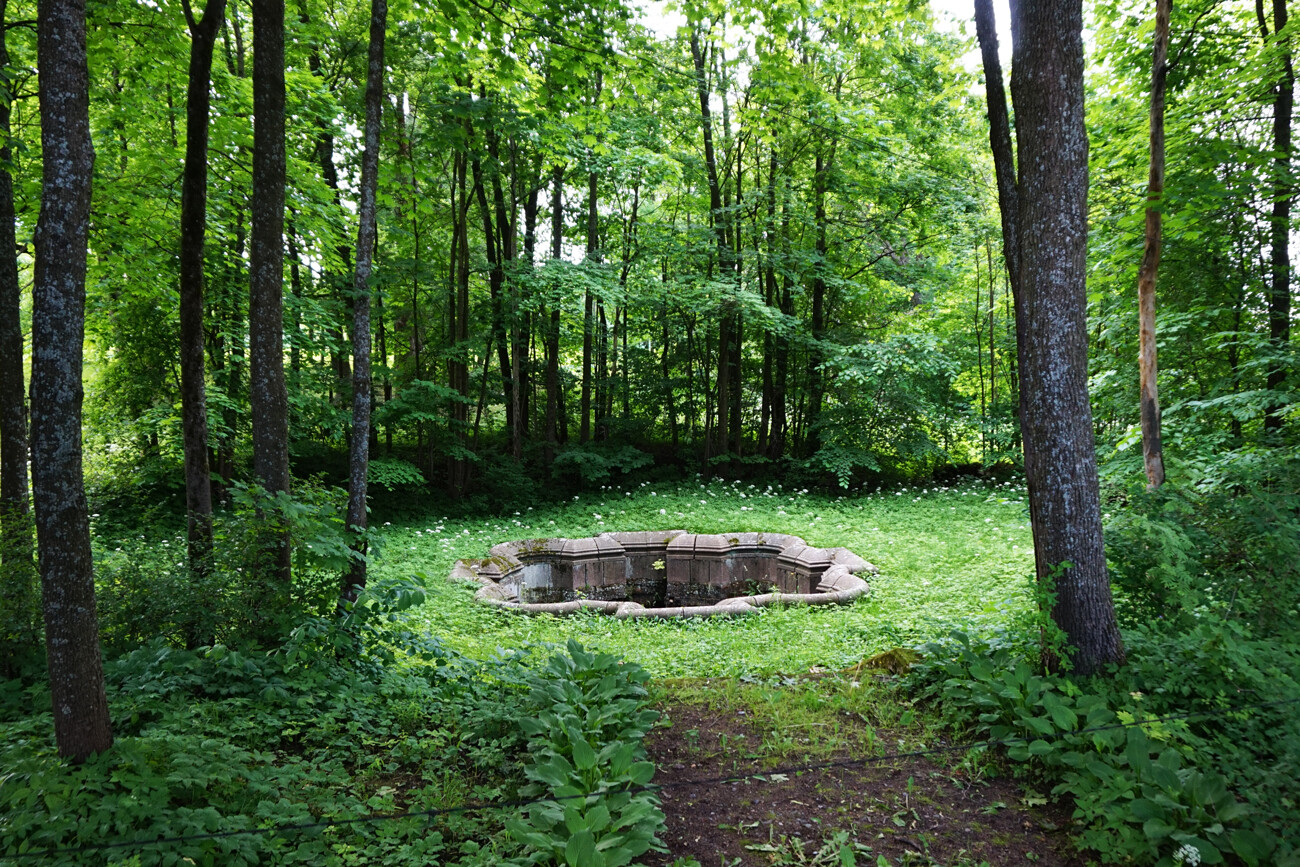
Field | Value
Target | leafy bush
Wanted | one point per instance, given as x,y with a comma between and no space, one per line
1214,666
20,615
584,745
393,474
1142,789
1226,540
596,462
146,588
332,726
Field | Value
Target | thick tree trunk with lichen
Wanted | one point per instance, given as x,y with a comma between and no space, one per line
1064,500
81,722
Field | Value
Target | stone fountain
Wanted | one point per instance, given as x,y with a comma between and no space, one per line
664,574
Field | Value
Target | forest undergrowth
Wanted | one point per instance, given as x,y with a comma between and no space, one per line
421,701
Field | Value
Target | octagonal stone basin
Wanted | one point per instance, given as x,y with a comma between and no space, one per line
664,574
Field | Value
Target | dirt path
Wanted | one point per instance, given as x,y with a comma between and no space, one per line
911,811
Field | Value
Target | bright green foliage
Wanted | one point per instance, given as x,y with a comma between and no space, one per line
393,475
352,717
877,94
1230,543
910,369
1145,786
584,748
146,589
1212,324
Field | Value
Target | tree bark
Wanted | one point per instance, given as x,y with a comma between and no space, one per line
494,242
736,352
1149,405
780,416
979,356
81,722
593,254
718,219
1004,167
268,400
766,425
816,385
1279,296
15,526
525,344
553,331
194,207
1065,513
362,386
458,333
504,253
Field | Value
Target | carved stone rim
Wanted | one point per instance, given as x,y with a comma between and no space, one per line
836,570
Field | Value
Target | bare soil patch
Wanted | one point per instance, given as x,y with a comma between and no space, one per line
912,811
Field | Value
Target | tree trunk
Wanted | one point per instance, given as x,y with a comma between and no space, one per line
553,332
718,218
593,254
227,355
194,207
1279,297
1152,453
1065,513
81,722
269,401
458,333
816,385
780,416
524,338
979,355
735,354
503,293
388,382
362,386
493,243
767,424
1004,167
15,522
665,368
993,376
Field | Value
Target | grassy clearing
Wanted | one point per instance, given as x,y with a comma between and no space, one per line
808,720
949,556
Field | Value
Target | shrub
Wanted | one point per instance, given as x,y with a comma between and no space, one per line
223,740
1226,540
1143,788
584,746
146,588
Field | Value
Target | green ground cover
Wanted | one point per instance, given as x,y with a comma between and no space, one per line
954,556
410,704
